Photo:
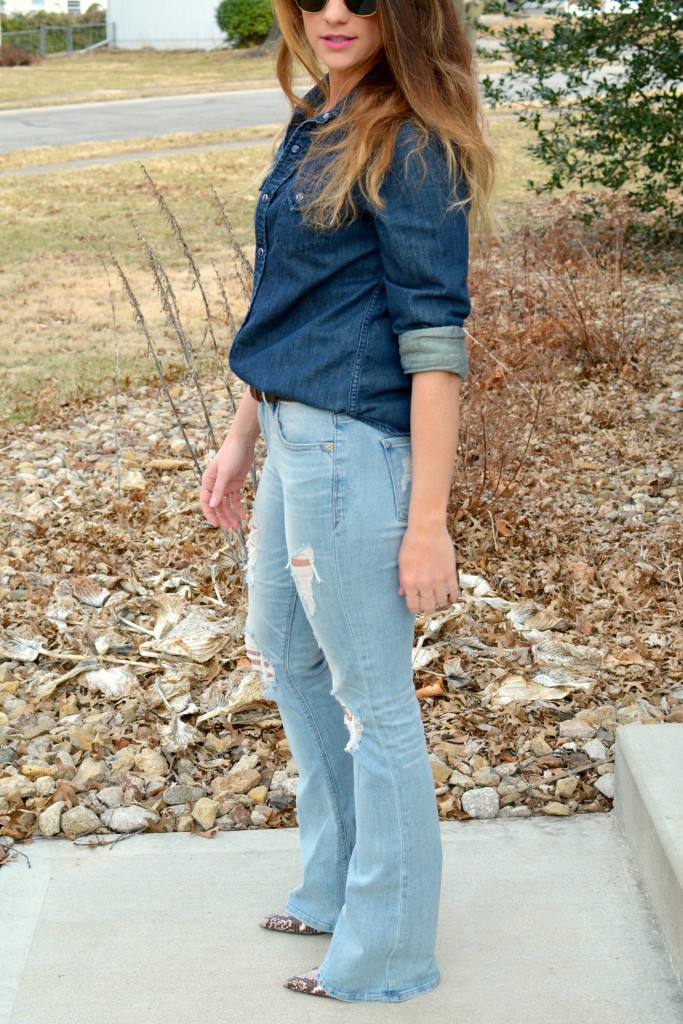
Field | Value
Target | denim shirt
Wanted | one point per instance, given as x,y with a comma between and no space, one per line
341,319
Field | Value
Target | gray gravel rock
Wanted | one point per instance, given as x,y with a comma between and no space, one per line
111,796
605,785
79,821
183,794
89,771
576,729
595,749
481,803
49,822
129,818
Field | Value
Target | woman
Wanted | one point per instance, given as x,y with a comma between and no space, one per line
353,348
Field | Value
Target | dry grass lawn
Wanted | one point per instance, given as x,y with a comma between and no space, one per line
115,74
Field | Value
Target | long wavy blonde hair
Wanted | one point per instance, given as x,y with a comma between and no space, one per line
429,76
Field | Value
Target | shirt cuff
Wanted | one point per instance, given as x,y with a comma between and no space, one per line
434,348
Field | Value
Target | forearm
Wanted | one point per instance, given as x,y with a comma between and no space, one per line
434,426
245,424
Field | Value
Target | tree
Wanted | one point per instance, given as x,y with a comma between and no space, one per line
246,21
603,94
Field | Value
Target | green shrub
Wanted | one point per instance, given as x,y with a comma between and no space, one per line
246,21
604,95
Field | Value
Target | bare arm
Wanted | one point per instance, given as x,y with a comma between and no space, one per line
246,424
427,557
224,477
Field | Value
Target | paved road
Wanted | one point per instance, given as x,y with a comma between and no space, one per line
141,118
164,115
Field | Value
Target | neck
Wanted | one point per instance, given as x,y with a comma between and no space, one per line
342,82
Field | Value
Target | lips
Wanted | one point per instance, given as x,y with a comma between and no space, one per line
338,39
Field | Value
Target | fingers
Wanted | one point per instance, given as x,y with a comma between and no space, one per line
220,500
224,513
453,588
442,595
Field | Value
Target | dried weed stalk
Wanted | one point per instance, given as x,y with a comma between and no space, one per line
117,366
174,322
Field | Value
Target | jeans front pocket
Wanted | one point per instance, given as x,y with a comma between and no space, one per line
303,427
399,455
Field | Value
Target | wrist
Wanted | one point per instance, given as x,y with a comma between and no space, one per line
242,435
431,518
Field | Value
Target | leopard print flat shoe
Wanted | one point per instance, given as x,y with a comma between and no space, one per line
286,923
308,983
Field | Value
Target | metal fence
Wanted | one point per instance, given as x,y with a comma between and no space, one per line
46,39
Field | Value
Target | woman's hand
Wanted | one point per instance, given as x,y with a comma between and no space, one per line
426,567
222,481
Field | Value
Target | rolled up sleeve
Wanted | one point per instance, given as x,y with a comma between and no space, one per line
424,250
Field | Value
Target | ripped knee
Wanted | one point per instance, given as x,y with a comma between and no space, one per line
304,572
252,538
262,666
353,724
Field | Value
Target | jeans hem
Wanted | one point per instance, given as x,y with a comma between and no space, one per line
307,919
392,996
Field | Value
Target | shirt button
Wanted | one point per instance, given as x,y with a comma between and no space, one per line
295,148
261,250
325,117
299,196
264,197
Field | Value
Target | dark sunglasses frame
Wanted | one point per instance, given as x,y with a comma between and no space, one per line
316,6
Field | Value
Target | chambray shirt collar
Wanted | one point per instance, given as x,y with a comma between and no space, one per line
315,97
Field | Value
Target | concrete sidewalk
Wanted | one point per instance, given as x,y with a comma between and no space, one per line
541,919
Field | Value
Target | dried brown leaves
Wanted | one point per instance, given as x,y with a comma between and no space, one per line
123,678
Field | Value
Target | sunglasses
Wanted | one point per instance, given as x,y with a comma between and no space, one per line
361,8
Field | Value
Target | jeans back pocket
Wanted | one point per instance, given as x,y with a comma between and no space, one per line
399,454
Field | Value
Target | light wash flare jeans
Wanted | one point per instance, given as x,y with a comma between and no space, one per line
332,639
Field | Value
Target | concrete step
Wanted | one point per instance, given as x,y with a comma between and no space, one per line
648,804
541,919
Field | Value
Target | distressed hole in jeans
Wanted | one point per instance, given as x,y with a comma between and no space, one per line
304,572
251,552
353,724
262,666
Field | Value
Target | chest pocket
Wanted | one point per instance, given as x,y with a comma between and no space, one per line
291,234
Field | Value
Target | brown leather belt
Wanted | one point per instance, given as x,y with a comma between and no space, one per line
267,396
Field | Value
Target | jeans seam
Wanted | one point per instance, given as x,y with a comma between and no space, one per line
336,518
368,690
328,771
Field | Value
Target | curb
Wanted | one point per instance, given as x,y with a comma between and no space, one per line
648,807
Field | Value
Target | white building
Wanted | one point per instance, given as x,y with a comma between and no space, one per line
49,6
164,24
